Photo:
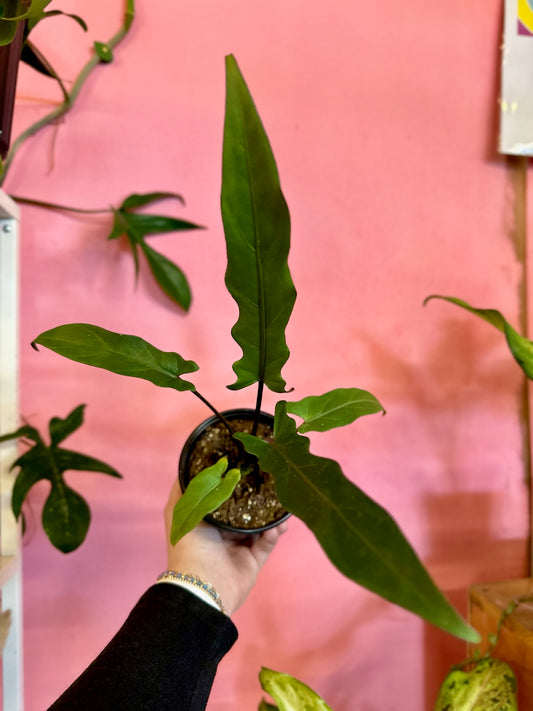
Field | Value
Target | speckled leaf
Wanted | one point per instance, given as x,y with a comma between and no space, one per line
118,353
359,536
289,693
257,228
204,494
520,347
489,686
333,409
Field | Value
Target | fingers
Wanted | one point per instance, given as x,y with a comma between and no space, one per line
264,545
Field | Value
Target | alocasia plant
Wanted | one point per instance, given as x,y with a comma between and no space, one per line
66,515
358,536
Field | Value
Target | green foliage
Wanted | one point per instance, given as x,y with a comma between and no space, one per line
66,515
520,347
357,535
257,228
333,409
136,226
289,693
121,354
104,52
490,685
204,494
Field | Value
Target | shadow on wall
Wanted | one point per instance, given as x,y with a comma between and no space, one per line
463,551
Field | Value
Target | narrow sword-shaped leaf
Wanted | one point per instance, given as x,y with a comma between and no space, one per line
204,494
359,536
257,229
118,353
333,409
290,693
520,347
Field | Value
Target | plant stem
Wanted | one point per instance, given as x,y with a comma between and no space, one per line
259,399
68,103
54,206
215,411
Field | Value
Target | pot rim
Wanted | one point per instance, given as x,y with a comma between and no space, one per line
232,414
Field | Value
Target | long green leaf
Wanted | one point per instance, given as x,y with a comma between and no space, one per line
34,466
520,347
140,199
257,228
122,354
290,693
333,409
65,518
358,535
66,460
169,276
204,494
489,686
24,431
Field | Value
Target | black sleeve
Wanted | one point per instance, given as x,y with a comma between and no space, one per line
163,658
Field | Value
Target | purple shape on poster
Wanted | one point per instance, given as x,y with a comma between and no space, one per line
523,30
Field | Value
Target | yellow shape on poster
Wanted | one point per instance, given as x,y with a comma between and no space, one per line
525,14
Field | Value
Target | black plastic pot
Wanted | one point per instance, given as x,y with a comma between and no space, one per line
229,415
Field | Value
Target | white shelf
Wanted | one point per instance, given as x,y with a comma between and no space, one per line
10,545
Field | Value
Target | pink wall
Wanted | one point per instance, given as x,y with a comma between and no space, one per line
383,120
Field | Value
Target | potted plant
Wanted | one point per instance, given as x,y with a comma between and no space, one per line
491,605
359,537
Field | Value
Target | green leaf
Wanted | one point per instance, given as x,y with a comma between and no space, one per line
68,460
35,19
60,428
489,686
265,706
358,535
122,354
140,225
66,515
24,431
289,693
169,276
333,409
140,199
34,466
257,228
520,347
104,52
65,518
204,494
121,225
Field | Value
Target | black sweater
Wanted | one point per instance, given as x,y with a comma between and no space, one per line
163,658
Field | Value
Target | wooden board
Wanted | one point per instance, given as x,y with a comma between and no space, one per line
515,644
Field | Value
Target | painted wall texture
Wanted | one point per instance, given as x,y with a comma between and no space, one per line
383,119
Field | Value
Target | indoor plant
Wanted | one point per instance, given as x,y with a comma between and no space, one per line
359,537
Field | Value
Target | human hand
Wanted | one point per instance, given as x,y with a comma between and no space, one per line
231,566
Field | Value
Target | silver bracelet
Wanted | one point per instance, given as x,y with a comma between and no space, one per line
170,575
